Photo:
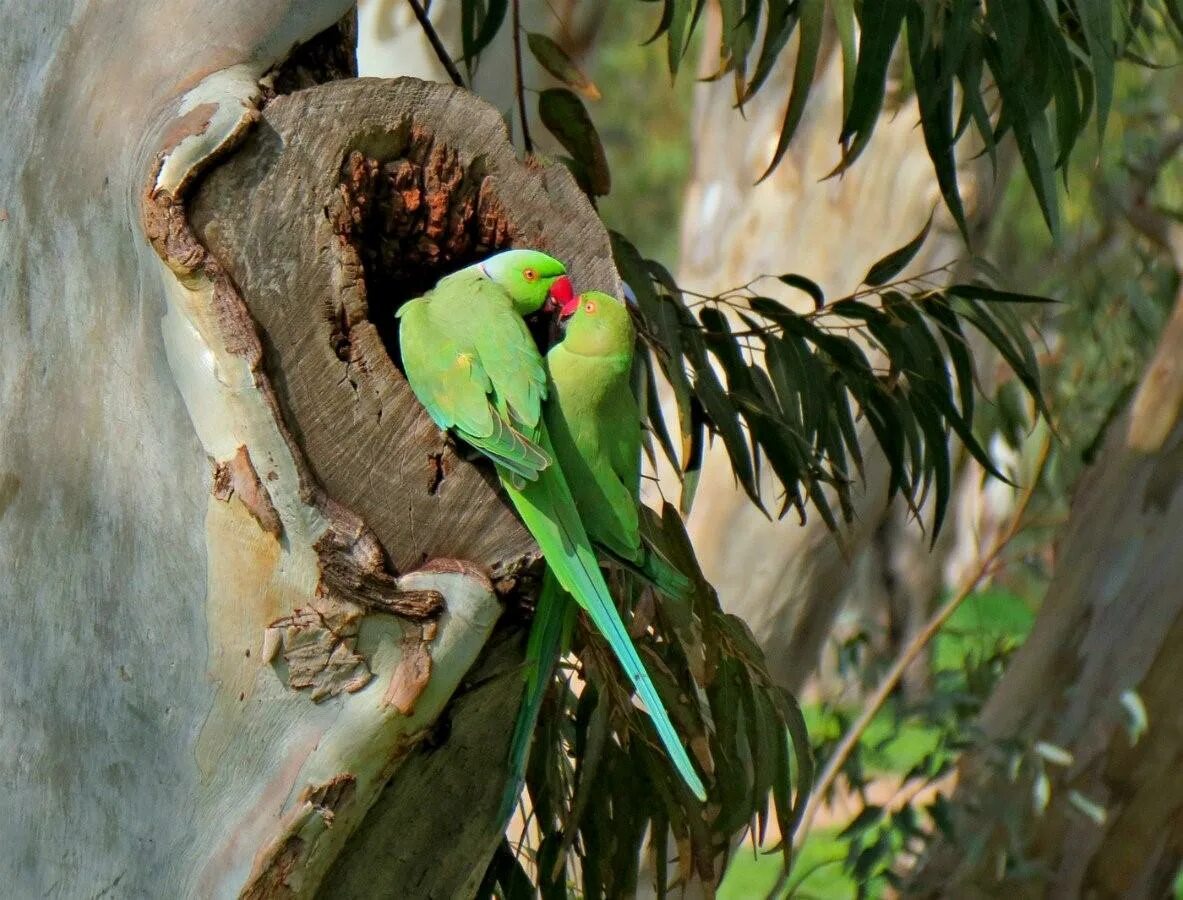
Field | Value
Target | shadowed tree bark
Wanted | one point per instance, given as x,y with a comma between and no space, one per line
248,572
1108,639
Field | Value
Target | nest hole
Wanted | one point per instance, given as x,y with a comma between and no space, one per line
410,219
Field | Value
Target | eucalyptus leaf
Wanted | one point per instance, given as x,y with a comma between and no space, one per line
555,60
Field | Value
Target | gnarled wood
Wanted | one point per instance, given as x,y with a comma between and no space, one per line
381,188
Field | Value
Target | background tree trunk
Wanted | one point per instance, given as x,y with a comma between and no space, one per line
1108,638
231,646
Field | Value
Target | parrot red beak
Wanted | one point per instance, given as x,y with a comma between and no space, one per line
562,297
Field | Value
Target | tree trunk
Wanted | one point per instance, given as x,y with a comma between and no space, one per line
1108,638
789,581
248,572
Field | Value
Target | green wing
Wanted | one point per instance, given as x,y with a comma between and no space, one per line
473,365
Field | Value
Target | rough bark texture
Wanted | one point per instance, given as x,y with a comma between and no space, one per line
789,582
227,662
1111,623
376,206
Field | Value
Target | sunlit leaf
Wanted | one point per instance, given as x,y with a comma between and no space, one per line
891,265
555,60
811,13
565,116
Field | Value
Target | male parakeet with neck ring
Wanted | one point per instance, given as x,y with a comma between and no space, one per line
472,363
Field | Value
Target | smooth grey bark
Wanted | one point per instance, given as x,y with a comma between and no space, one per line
166,552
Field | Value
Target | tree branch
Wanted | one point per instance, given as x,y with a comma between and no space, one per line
875,703
436,44
517,74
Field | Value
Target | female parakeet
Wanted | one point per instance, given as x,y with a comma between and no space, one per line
472,363
594,426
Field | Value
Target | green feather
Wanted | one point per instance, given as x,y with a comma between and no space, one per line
594,427
548,509
473,365
471,361
554,617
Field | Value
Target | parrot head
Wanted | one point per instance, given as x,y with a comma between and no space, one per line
598,324
533,279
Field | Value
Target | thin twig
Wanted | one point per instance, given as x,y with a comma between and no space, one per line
517,74
850,740
436,44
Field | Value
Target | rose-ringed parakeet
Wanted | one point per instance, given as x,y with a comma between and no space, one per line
594,425
473,364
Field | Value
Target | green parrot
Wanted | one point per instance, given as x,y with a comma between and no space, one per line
473,364
594,425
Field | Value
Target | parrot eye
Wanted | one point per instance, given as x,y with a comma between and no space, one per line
590,306
530,274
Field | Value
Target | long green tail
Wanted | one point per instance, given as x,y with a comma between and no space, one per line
548,509
550,635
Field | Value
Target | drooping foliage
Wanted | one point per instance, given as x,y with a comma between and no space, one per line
788,393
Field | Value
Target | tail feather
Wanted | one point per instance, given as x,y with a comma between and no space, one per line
549,635
548,509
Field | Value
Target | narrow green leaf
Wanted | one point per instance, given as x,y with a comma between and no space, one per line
1010,23
1069,121
881,28
723,416
678,33
1029,123
479,25
1096,20
958,350
565,116
661,325
934,98
655,417
782,20
1018,354
891,265
555,60
957,36
843,11
663,25
801,283
811,12
969,76
991,295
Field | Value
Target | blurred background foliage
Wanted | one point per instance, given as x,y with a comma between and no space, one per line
1118,280
1114,267
645,127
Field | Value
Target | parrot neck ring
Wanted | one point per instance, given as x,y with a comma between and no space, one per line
561,296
